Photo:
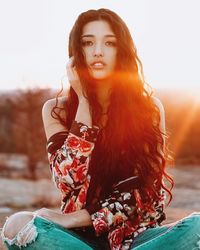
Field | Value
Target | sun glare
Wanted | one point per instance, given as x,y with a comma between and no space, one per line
187,120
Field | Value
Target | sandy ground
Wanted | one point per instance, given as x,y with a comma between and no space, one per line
186,195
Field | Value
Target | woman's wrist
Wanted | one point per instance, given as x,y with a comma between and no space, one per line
83,100
83,112
80,218
67,221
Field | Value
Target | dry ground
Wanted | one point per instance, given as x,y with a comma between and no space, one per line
26,195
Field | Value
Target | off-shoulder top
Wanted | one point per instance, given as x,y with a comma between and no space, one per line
121,216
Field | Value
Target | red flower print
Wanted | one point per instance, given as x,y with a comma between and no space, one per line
64,188
128,229
81,173
51,158
57,170
118,218
78,143
85,146
73,142
116,238
82,195
66,169
70,206
100,226
74,163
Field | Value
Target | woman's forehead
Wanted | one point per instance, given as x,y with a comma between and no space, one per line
94,28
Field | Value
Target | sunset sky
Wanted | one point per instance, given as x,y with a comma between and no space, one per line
34,34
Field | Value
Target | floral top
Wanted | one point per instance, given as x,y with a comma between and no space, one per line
121,216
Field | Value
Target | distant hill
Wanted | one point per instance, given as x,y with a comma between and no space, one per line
182,112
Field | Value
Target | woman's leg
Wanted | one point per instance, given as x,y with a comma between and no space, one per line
42,234
181,235
19,230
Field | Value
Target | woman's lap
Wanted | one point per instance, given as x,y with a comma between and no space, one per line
182,235
53,235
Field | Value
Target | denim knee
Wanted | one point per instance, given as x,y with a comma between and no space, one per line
26,235
196,220
193,219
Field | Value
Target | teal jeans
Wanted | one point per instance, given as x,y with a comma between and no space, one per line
42,234
181,235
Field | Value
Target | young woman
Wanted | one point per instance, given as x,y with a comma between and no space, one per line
106,148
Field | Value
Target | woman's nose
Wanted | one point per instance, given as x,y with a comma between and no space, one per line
98,50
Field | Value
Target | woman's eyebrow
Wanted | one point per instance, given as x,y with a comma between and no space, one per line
87,35
90,35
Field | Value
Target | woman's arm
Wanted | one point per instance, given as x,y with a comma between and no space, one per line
69,149
77,144
69,152
53,126
111,211
80,218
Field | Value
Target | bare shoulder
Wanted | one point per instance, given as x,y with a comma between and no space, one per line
51,124
49,104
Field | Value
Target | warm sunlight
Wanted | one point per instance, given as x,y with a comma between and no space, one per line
103,146
186,122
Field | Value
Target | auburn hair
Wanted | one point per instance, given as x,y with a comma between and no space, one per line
131,142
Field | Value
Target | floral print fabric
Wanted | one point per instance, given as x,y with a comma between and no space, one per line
122,216
69,164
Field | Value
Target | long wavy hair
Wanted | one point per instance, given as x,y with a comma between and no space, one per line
131,142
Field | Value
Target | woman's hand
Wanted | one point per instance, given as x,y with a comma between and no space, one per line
80,218
74,78
53,216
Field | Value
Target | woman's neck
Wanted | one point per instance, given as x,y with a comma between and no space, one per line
103,94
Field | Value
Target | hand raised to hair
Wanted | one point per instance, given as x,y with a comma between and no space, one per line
74,78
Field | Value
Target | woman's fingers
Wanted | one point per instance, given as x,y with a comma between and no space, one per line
73,77
70,62
71,71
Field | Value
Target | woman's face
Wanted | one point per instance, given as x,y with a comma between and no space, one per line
99,48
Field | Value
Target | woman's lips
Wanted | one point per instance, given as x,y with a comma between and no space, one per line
98,65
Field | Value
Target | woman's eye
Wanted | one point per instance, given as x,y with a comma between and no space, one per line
87,43
111,43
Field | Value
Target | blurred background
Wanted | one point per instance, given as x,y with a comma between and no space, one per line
33,49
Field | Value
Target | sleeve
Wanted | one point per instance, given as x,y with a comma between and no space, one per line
123,205
118,207
69,155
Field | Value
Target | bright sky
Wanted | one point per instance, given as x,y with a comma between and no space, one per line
34,34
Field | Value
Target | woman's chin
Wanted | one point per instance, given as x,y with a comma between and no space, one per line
100,77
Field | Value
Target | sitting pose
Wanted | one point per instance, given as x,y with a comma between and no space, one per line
107,153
